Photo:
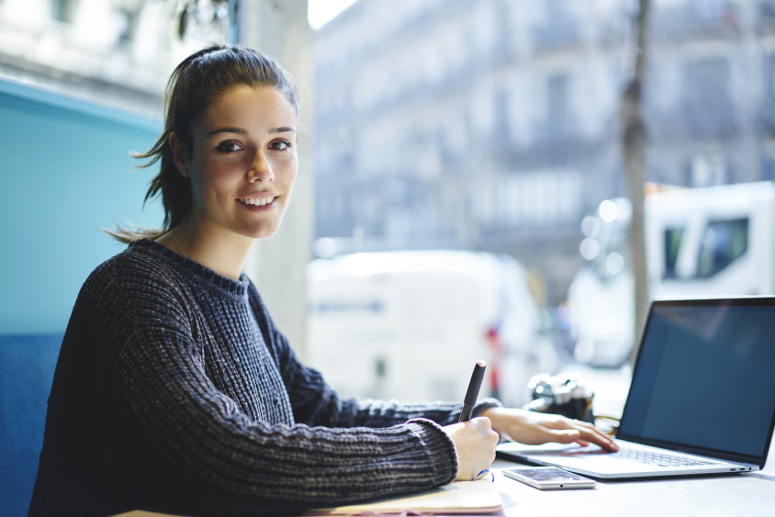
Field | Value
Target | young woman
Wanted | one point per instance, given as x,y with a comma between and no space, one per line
174,391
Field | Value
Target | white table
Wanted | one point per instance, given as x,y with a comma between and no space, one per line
749,494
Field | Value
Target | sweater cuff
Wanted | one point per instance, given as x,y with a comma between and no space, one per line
485,404
440,449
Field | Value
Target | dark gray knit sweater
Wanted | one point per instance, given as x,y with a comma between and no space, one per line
175,392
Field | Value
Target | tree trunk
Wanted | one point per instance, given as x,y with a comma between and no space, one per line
634,148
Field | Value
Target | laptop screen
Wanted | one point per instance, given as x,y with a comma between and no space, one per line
705,376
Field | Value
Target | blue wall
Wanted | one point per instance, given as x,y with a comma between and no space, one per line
65,171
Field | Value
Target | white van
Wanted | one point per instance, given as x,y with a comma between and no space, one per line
713,241
409,325
710,241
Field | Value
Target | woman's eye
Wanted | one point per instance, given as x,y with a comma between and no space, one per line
279,145
228,147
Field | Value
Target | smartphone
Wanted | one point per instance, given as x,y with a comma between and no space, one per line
549,478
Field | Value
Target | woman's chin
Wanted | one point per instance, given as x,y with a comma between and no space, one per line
262,232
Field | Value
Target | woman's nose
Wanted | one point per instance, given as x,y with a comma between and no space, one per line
260,169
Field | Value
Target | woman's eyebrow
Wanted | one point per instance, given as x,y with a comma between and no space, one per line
281,130
236,130
240,131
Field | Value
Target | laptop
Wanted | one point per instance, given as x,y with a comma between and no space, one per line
701,400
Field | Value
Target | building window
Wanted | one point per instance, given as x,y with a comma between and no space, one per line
557,101
546,199
707,97
62,10
768,94
558,28
769,79
503,116
127,25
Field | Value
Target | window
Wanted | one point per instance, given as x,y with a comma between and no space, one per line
673,240
502,124
128,24
769,79
768,95
62,10
707,96
723,242
557,101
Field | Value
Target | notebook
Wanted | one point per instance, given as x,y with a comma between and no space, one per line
702,393
460,497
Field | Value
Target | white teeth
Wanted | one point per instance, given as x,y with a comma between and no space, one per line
257,202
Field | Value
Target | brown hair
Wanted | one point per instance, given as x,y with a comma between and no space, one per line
193,85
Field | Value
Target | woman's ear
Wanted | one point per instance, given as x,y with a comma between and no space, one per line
179,155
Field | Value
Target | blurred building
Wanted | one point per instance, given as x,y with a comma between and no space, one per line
116,52
493,125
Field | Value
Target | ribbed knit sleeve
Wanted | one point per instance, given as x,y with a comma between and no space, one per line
187,398
315,403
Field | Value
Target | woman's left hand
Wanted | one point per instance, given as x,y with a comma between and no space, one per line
534,428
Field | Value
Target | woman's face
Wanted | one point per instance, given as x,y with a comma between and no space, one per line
243,162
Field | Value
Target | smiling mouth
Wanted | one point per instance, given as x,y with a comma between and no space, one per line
257,201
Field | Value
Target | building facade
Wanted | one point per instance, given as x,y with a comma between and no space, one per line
494,125
117,52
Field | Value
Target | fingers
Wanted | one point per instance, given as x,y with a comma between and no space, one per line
484,428
566,436
475,443
588,433
534,428
488,437
556,428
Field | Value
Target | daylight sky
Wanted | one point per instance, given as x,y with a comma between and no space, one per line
321,11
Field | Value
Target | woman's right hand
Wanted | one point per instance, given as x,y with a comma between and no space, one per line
475,443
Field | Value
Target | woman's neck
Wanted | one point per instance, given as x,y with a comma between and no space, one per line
223,252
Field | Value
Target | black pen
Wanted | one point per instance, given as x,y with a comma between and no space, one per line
473,391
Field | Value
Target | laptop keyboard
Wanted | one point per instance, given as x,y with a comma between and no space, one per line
657,459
